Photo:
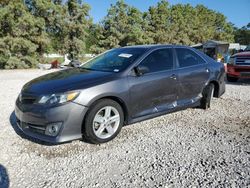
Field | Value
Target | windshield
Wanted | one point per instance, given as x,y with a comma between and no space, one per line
114,60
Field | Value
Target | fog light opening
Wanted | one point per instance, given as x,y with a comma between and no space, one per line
53,129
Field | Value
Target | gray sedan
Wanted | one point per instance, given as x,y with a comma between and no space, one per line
121,86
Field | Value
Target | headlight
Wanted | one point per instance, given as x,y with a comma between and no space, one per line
231,60
58,98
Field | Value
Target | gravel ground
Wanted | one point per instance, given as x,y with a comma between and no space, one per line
191,148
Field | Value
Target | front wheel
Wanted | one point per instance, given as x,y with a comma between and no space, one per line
207,96
103,121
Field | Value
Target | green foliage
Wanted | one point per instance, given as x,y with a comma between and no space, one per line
3,60
15,63
242,35
21,36
158,19
65,25
122,26
30,61
53,14
161,24
30,28
76,24
115,25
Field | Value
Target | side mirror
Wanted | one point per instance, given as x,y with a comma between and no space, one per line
140,70
74,63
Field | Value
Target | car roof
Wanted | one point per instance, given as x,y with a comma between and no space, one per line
153,46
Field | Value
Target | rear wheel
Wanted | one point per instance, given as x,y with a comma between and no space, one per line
231,79
103,121
207,96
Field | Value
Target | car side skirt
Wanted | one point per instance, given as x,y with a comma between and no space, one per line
178,108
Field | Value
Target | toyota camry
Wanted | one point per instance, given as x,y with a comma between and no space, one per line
119,87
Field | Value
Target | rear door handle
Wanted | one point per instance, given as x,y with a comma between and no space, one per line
207,70
173,77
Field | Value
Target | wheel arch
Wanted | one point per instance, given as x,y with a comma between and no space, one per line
121,103
114,98
216,88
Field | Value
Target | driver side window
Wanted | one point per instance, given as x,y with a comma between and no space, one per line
159,60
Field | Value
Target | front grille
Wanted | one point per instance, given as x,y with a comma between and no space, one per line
31,127
242,69
244,64
245,74
245,61
37,129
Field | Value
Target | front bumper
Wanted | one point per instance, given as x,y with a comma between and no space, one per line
33,120
238,71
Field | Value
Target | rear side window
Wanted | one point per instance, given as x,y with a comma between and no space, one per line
188,58
159,60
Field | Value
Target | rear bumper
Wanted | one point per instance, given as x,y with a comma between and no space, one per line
33,120
238,71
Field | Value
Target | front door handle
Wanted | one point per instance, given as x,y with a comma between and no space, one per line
173,77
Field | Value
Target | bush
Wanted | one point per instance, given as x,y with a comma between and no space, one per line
20,63
30,61
3,60
15,63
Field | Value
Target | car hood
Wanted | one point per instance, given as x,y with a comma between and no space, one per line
66,80
242,54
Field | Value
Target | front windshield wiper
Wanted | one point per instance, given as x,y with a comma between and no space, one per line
87,68
101,70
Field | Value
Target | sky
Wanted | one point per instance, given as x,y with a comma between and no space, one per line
236,11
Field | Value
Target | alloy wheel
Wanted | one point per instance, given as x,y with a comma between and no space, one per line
106,122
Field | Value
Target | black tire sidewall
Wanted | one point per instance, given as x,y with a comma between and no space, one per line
88,123
207,96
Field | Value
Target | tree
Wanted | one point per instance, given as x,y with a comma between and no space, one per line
135,28
158,23
223,30
53,14
21,35
94,42
242,35
122,26
30,28
202,24
77,22
66,24
115,25
161,24
190,25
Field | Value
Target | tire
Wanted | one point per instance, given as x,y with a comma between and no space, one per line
103,121
231,79
207,96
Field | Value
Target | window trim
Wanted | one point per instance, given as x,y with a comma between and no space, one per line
153,50
177,60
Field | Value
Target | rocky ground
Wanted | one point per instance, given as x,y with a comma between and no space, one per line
191,148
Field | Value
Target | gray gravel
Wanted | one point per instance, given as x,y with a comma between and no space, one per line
191,148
